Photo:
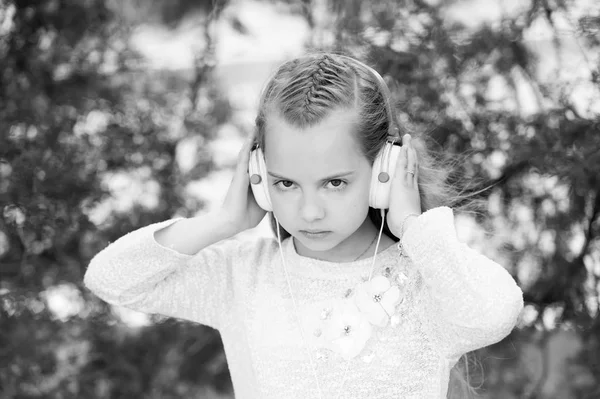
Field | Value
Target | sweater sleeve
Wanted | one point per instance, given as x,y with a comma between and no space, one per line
138,273
470,300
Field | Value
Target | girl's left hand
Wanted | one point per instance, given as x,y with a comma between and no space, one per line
404,195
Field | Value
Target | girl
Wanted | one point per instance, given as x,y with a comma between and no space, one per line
331,307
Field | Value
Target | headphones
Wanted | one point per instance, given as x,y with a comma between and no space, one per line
384,166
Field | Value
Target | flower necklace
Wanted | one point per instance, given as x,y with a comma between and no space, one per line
348,325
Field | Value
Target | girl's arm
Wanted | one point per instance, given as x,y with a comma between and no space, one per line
152,270
189,236
470,300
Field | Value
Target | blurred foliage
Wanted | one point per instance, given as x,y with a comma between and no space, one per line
541,158
79,106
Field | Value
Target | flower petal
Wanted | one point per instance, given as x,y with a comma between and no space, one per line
401,278
345,313
349,346
348,343
390,300
363,298
392,295
344,345
379,284
378,318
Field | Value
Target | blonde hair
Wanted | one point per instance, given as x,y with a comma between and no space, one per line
305,90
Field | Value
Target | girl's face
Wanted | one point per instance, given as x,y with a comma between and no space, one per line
319,181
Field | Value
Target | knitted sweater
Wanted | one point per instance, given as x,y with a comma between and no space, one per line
452,300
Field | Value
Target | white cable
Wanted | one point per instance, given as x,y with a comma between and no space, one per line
382,212
296,308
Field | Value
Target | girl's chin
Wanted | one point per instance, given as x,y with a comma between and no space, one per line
323,243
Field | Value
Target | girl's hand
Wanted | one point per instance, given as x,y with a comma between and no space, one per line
239,209
404,195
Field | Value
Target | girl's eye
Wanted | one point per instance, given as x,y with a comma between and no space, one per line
284,185
337,183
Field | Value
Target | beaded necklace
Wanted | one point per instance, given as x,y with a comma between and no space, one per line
365,251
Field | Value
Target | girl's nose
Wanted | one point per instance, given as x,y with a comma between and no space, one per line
311,209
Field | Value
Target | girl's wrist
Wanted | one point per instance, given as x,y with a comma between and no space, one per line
406,222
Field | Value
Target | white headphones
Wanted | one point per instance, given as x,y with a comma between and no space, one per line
384,166
384,169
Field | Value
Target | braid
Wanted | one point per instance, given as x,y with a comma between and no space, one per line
303,91
312,90
315,84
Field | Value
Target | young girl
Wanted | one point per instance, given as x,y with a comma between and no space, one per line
330,307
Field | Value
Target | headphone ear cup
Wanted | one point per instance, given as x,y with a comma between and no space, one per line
257,171
383,175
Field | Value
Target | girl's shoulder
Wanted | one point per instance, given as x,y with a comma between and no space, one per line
249,245
261,246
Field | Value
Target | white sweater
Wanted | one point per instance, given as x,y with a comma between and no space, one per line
453,300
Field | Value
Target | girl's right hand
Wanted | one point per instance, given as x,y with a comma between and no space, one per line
239,209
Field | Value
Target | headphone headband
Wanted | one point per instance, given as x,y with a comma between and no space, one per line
383,89
393,130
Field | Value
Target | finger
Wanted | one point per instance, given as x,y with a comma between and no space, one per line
399,172
410,157
406,139
411,165
404,162
416,164
244,154
249,143
401,166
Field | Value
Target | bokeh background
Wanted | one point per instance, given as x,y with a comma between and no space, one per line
119,113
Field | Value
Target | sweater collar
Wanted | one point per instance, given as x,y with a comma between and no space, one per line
322,269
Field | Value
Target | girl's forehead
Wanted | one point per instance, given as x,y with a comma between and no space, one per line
328,146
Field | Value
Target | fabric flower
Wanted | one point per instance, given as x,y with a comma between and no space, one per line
347,330
377,299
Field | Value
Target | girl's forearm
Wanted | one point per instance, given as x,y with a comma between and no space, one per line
189,236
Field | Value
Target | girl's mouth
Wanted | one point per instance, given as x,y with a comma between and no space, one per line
315,235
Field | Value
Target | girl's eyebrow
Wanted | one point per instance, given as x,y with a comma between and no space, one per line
337,175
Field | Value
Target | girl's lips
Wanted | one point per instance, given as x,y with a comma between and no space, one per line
319,234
